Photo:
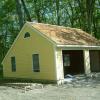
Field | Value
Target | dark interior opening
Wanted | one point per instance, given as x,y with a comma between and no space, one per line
73,62
94,60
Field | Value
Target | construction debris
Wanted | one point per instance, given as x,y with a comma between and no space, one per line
69,78
33,86
90,80
71,81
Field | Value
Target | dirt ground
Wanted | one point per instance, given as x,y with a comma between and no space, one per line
50,92
83,89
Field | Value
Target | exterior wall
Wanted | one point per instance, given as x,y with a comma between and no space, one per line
23,49
87,61
59,65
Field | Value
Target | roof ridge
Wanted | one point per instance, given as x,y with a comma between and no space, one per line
55,25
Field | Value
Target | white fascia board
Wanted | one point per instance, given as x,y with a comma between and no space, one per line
78,47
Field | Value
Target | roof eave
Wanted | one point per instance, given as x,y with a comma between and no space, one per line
90,47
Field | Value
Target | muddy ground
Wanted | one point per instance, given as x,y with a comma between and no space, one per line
80,89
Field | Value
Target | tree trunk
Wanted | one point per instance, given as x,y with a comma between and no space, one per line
20,13
57,10
82,7
90,9
37,11
26,10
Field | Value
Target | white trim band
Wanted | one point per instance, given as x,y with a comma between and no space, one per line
80,46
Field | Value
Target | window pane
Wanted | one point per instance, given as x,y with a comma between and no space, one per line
66,60
36,63
13,63
27,35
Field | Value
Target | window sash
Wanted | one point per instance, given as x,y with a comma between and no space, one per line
27,34
36,67
66,60
13,64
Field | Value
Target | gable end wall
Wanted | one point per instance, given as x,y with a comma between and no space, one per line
23,48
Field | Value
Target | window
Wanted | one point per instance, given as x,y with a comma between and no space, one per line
13,64
27,34
36,67
66,60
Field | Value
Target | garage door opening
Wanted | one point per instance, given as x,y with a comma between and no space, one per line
73,62
94,60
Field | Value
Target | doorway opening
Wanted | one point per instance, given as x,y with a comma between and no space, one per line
73,62
94,60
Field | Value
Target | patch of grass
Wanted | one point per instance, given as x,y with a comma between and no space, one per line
1,74
5,80
1,71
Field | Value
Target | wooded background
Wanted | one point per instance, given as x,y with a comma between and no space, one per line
83,14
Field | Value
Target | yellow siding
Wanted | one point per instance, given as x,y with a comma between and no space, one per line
23,50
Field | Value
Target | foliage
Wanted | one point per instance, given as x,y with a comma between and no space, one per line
84,14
